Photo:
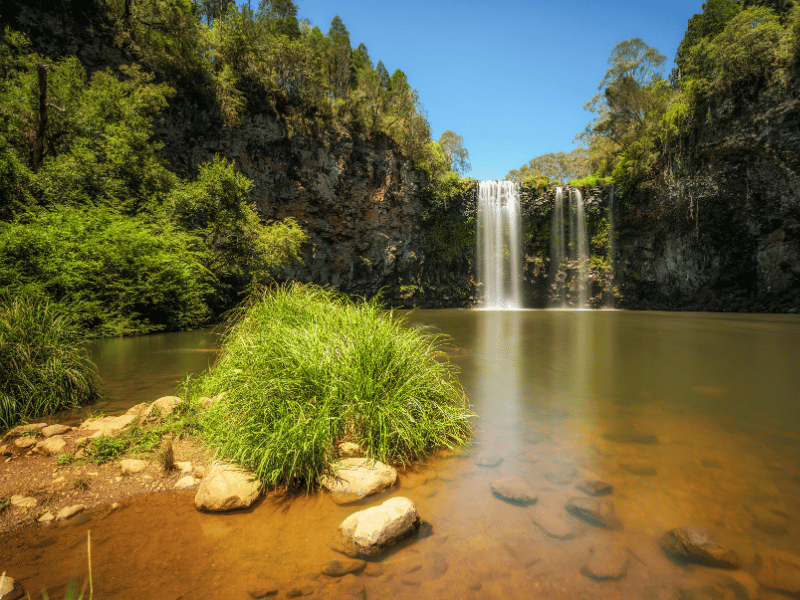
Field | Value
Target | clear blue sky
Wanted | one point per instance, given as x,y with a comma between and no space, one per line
509,76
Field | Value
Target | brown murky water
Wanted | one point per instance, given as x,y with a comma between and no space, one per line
694,419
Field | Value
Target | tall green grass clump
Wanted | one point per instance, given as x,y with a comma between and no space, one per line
304,368
44,367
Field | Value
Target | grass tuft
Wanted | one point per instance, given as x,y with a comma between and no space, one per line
43,365
305,368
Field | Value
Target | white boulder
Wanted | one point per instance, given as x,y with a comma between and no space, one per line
370,531
226,487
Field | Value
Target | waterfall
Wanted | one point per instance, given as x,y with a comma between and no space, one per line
557,249
499,244
581,249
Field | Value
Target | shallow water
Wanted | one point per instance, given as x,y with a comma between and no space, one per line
694,419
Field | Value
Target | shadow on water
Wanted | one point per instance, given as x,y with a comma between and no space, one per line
689,419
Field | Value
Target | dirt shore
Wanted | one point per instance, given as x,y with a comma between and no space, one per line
36,485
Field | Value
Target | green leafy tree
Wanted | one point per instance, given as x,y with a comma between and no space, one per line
339,59
457,155
558,166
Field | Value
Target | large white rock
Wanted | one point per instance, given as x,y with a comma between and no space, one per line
370,531
354,478
226,487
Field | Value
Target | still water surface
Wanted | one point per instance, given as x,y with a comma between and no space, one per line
694,419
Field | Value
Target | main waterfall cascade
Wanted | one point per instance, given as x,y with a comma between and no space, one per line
499,244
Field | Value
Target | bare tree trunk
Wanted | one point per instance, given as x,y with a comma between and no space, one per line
38,145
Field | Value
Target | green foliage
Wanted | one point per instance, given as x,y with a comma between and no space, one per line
244,251
65,458
132,439
5,503
44,366
119,274
457,155
560,166
590,181
304,368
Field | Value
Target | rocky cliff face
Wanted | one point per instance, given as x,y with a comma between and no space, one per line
358,200
727,236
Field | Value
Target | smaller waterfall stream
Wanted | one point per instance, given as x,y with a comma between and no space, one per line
581,250
499,244
558,250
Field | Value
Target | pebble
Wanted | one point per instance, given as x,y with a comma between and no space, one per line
297,592
46,517
132,465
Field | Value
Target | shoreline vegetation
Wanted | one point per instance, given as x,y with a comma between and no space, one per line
303,369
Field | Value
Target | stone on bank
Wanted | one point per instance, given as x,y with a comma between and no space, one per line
354,478
226,487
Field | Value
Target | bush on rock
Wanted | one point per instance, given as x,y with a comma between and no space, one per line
305,368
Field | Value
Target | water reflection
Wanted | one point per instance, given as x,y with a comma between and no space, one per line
691,419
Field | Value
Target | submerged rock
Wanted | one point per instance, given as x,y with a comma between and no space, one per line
779,571
556,523
732,585
354,478
264,588
563,477
689,545
514,490
595,511
489,461
606,563
594,487
369,532
339,568
639,467
631,438
226,487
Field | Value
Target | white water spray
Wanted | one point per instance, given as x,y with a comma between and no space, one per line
499,244
581,249
557,249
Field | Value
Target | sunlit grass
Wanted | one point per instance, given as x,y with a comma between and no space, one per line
304,368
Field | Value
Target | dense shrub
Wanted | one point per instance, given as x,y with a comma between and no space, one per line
118,274
305,368
44,367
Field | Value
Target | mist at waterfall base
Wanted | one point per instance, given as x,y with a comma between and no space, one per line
500,248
